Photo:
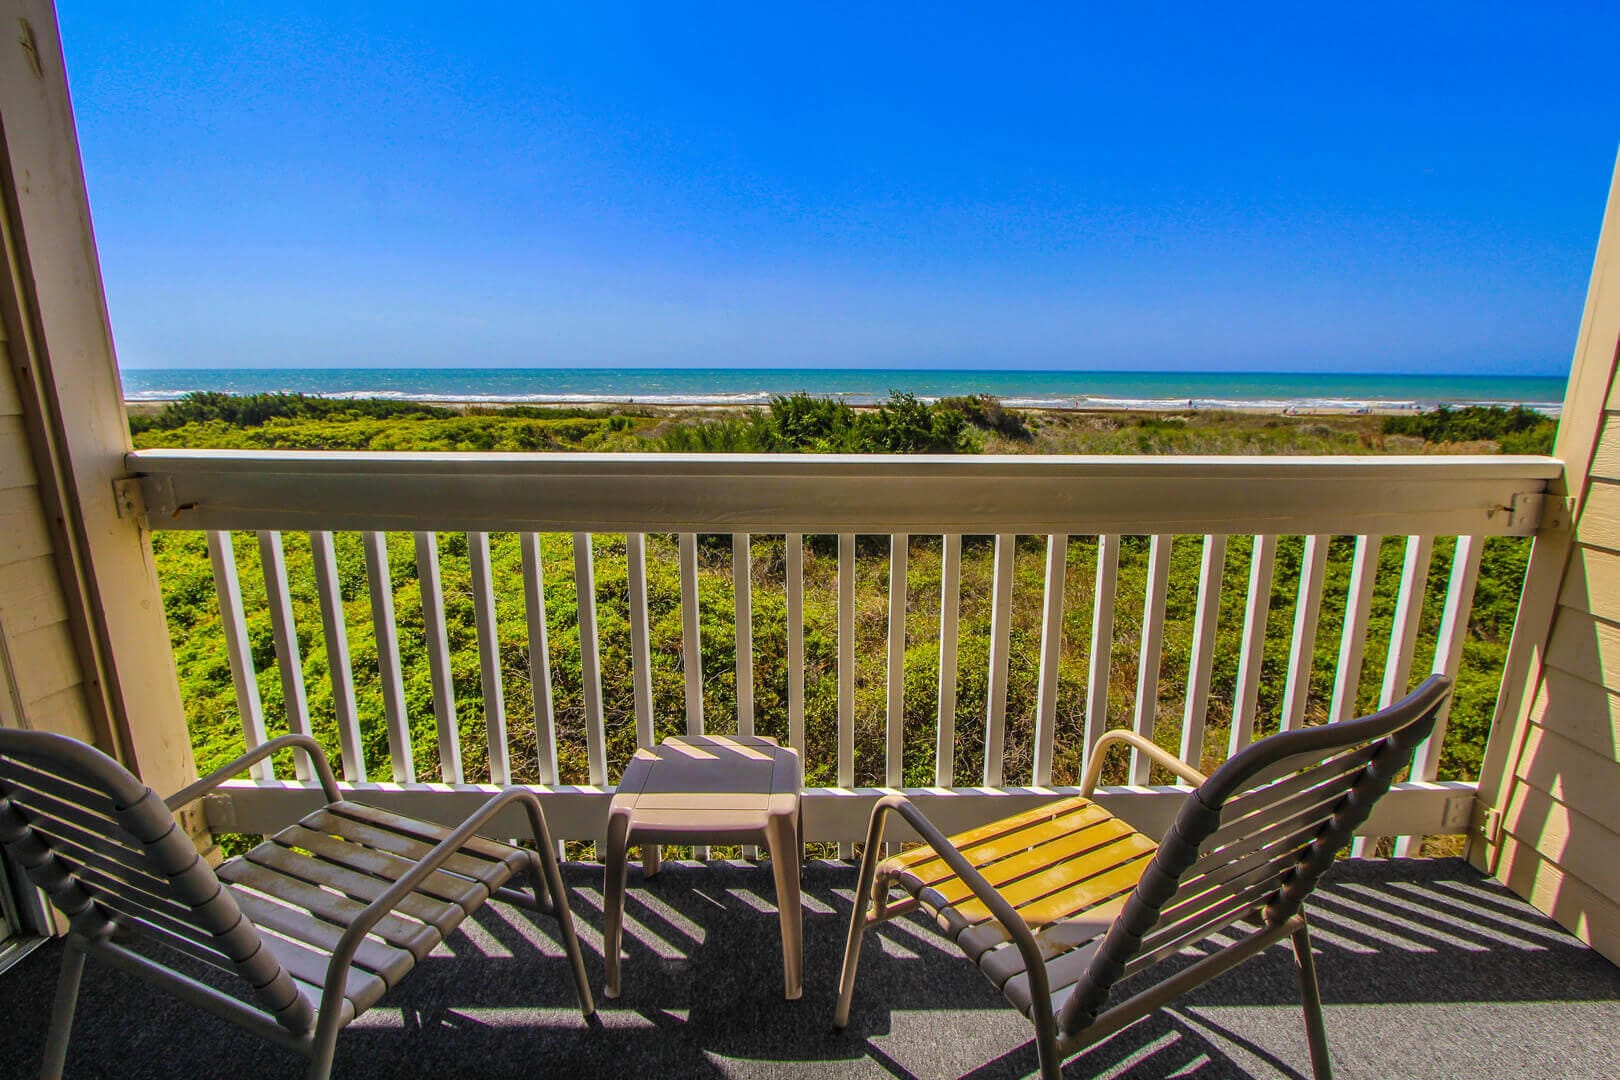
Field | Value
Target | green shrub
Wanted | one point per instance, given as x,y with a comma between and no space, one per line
801,424
985,412
1517,430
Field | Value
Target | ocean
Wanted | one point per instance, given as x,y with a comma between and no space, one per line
754,386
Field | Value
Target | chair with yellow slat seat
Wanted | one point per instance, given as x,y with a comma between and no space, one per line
1058,904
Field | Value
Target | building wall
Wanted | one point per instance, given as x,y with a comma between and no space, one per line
1556,836
44,681
1560,843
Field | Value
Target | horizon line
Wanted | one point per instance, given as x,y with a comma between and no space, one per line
828,368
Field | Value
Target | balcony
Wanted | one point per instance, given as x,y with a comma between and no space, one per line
752,537
962,629
332,540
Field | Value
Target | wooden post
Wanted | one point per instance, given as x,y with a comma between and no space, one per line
1560,590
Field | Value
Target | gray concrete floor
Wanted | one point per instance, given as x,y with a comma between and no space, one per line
1427,969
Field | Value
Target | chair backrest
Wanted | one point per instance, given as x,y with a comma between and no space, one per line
110,855
1255,837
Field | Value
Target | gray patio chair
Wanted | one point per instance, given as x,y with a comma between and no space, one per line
1059,904
318,921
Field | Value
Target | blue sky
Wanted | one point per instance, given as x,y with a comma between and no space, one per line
1338,188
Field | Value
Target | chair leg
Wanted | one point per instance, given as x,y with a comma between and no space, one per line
857,919
615,869
67,999
565,929
1315,1032
323,1045
782,840
543,867
320,1061
1046,1039
1051,1057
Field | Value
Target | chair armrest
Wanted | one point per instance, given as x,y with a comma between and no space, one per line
312,749
343,955
1155,753
1017,929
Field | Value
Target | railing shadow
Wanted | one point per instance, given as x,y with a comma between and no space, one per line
703,990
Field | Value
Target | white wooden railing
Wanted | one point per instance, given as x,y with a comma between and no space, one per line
269,493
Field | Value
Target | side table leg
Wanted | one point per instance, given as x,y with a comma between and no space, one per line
782,839
615,869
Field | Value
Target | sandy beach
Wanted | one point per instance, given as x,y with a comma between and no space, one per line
1162,409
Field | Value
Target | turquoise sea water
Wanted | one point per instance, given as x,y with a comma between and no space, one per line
743,386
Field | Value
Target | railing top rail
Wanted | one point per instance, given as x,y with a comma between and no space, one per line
1522,466
821,493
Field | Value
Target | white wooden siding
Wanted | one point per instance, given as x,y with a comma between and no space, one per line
46,679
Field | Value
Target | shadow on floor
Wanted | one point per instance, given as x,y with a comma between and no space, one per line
1407,947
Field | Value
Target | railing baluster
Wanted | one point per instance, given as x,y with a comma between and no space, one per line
742,572
846,671
794,587
227,586
895,702
742,583
336,633
1408,613
995,709
635,547
489,658
590,660
1448,650
1147,671
1402,641
289,662
1057,565
381,584
438,650
534,608
846,660
1353,641
1452,637
950,606
1102,643
691,645
1307,613
1211,571
1256,609
545,713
